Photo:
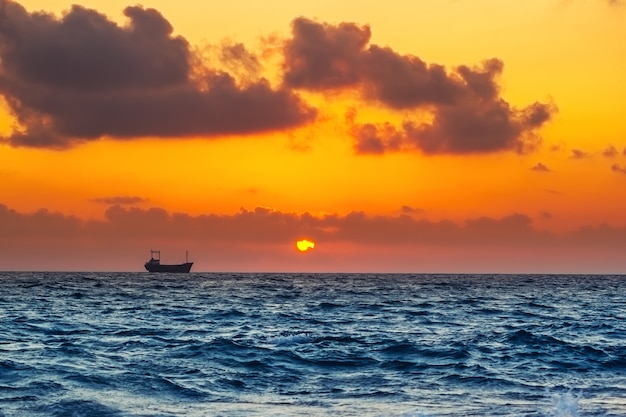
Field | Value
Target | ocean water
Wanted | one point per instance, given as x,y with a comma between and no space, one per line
133,344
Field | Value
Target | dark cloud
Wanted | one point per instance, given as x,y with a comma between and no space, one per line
373,138
610,152
238,60
618,168
580,154
460,129
267,226
321,56
480,128
559,147
119,200
40,224
231,242
469,115
84,51
541,168
406,81
82,77
408,210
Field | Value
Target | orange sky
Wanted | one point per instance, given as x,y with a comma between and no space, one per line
478,136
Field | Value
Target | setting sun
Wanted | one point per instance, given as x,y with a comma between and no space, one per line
305,245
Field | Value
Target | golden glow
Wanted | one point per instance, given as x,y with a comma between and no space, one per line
305,245
557,51
222,175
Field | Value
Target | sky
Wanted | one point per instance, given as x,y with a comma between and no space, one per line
427,136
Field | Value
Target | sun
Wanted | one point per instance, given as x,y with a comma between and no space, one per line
305,245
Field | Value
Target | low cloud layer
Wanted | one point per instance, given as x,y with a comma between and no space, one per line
82,77
239,235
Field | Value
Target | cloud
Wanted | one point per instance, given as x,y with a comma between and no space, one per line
559,147
404,81
618,168
239,60
580,154
262,239
480,128
468,113
541,168
461,129
41,223
322,56
119,200
370,138
408,210
610,152
82,77
268,226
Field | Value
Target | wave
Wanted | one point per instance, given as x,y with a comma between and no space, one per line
65,408
291,339
565,405
343,345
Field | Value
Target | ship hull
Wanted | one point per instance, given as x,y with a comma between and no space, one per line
184,268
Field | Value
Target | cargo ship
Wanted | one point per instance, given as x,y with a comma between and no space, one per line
155,265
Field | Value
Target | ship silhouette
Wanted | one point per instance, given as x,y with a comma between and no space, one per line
155,265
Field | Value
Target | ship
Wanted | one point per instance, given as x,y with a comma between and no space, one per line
155,265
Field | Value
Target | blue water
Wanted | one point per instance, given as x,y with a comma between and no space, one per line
97,344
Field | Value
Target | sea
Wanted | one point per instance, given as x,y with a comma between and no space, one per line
265,344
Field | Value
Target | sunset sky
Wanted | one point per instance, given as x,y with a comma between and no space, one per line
398,136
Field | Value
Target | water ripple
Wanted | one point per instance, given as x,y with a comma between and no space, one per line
84,344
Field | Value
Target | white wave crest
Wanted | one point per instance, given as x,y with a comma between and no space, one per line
291,339
565,405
